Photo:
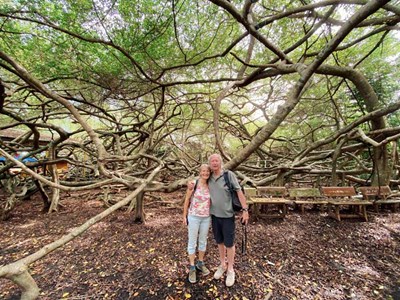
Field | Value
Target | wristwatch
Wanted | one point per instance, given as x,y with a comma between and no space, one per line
245,209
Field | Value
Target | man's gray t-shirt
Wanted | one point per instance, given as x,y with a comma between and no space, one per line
221,203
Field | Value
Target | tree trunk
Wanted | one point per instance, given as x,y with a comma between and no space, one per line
381,172
9,184
7,207
336,155
30,290
140,215
55,197
395,161
2,95
43,194
381,168
280,178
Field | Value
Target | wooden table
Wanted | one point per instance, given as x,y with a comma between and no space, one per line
340,197
380,195
280,204
306,196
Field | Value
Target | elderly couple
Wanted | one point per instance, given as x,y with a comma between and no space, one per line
209,201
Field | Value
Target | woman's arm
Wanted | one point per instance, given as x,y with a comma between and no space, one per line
186,204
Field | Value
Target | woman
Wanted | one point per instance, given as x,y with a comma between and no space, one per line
196,214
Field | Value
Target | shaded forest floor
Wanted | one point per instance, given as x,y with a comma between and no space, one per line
306,256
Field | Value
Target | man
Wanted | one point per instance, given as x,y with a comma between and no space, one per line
223,217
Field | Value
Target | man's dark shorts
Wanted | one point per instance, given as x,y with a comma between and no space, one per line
224,230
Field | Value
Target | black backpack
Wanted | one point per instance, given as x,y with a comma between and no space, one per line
236,205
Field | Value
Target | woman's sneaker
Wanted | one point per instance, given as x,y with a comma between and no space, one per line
192,274
220,271
202,268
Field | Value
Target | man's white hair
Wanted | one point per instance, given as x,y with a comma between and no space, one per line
217,155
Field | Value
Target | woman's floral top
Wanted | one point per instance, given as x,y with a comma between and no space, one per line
200,202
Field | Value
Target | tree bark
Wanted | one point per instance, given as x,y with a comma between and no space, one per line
140,215
55,197
24,280
43,194
336,155
2,95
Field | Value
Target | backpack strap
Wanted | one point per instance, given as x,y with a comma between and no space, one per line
194,190
227,181
236,205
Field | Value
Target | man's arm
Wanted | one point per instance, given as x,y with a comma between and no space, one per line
245,211
242,198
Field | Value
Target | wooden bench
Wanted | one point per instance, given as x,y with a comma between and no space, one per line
306,196
340,198
249,193
267,199
380,195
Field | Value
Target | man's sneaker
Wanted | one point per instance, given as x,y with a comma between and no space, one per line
230,278
192,275
220,271
202,268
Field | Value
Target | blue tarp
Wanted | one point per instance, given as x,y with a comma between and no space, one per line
25,160
29,159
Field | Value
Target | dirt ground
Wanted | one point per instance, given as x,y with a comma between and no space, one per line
308,256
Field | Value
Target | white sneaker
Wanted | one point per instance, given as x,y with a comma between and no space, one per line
220,271
230,278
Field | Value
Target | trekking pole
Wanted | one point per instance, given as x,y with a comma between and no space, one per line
244,239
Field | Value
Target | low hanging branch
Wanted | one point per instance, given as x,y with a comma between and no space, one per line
18,271
348,128
52,184
368,140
